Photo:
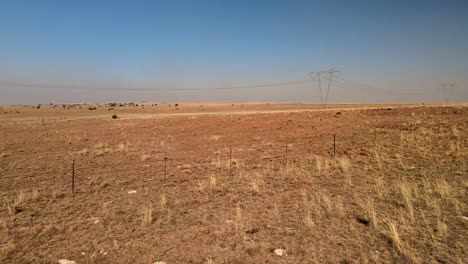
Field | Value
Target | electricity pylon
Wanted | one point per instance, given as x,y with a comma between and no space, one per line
317,75
447,91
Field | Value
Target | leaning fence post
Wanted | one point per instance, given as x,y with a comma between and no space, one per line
230,160
73,177
165,165
334,145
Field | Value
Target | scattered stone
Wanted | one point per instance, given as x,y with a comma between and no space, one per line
159,262
280,252
65,261
363,220
131,191
229,221
252,231
185,167
364,152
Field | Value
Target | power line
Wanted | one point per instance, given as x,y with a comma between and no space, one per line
363,87
74,87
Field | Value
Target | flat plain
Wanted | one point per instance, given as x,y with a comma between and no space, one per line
234,183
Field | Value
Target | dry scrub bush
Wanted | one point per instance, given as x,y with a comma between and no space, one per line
15,205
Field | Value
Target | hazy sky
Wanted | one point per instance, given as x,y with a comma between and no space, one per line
386,51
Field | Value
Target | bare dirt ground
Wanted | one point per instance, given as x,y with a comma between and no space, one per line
395,191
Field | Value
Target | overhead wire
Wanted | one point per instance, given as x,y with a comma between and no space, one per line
75,87
344,83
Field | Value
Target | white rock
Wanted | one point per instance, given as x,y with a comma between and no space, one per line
159,262
131,191
65,261
96,221
280,252
229,221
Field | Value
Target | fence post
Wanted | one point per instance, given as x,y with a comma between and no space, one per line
334,145
165,165
73,177
286,152
230,160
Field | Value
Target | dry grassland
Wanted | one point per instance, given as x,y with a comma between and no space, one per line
396,191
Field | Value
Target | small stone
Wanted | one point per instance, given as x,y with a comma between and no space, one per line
131,191
65,261
280,252
159,262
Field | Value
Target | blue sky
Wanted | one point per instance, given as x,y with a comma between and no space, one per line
401,50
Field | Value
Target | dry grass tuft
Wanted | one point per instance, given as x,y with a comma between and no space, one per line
148,215
83,152
308,222
101,149
16,204
395,237
212,181
35,195
7,249
163,201
256,182
322,165
442,188
344,164
122,147
239,223
369,208
145,157
407,197
442,228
